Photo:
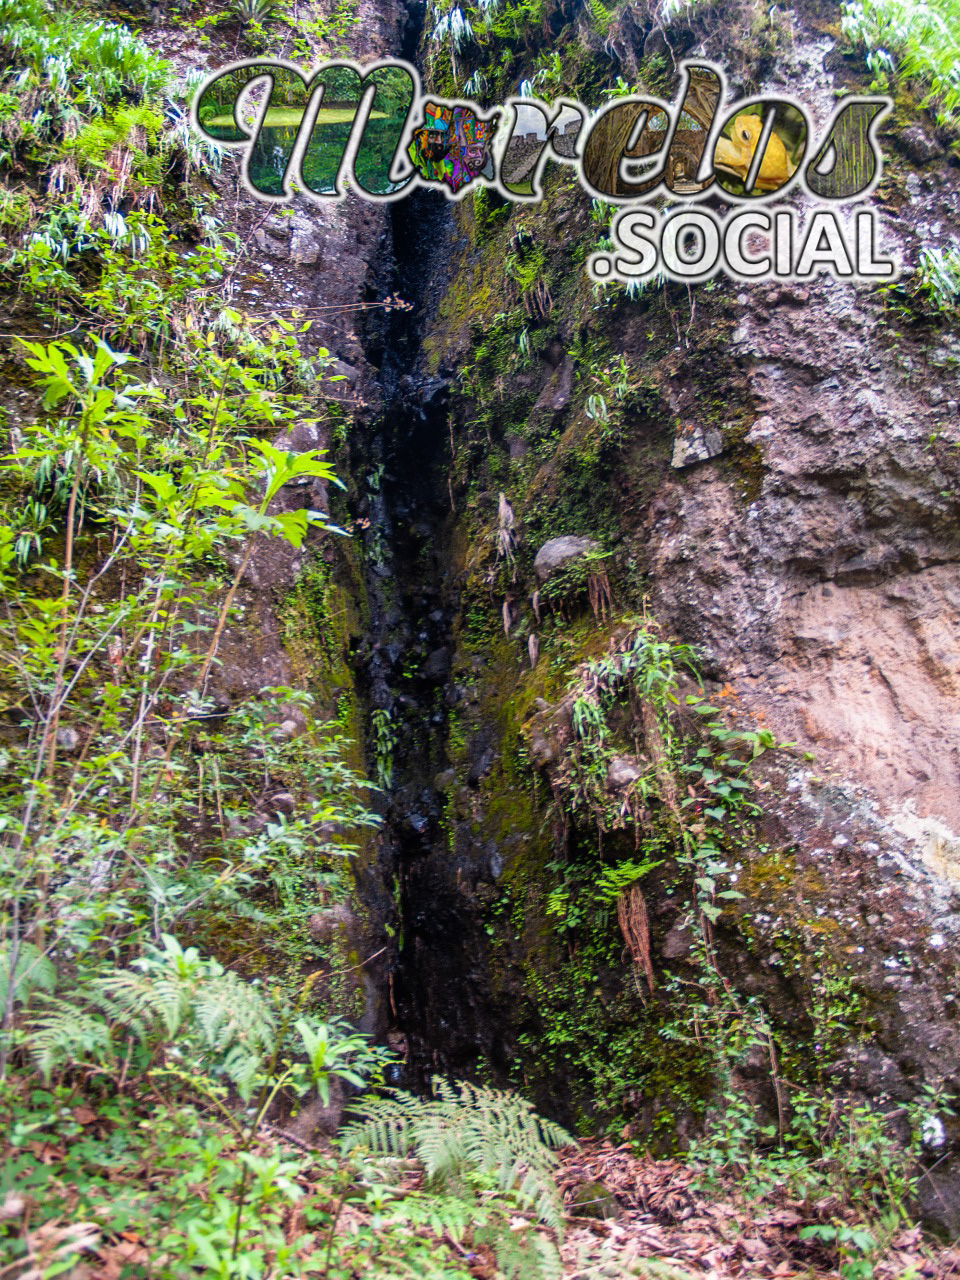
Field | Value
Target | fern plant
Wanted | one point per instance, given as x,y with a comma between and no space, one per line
455,25
30,969
612,881
177,1000
464,1130
65,1034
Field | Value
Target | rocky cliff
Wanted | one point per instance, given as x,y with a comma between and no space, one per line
767,477
772,478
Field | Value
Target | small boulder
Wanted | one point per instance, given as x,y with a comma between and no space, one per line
316,1118
594,1200
919,145
331,922
549,731
306,245
437,666
556,395
68,739
282,802
556,553
544,749
340,369
621,771
481,766
678,942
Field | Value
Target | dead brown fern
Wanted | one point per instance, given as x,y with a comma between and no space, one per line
506,539
601,597
635,926
538,301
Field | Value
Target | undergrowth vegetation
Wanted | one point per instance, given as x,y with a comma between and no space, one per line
165,837
697,990
917,41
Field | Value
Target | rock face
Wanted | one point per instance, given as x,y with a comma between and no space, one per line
556,553
831,598
779,488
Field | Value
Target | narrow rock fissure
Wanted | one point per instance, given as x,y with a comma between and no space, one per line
405,663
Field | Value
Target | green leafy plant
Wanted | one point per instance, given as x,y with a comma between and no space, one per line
614,880
29,538
915,40
466,1130
384,745
251,11
854,1245
940,277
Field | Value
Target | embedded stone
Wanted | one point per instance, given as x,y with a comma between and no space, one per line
68,739
919,146
481,766
694,444
621,771
678,942
437,666
556,553
325,925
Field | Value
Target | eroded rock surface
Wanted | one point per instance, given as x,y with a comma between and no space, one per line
780,490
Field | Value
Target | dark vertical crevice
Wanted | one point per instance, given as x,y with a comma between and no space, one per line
404,666
435,997
440,999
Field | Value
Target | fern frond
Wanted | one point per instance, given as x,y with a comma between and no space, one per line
525,1255
243,1068
466,1127
444,1215
35,971
230,1012
383,1126
190,998
66,1035
141,999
